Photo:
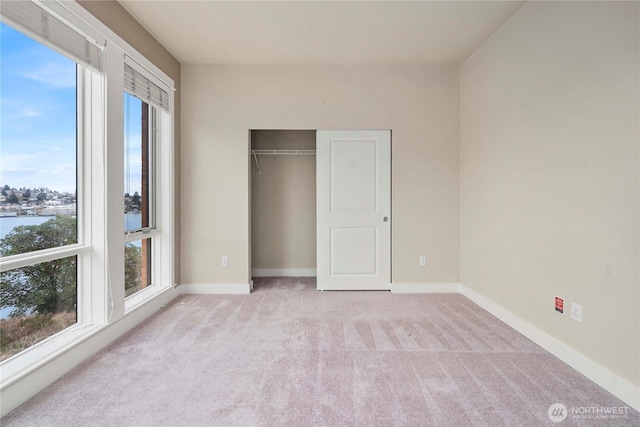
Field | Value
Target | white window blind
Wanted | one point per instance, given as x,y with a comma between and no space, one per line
144,89
53,31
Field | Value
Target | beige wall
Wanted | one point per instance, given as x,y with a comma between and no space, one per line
119,21
221,103
283,202
549,174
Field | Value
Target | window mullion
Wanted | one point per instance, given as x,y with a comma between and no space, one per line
113,175
31,258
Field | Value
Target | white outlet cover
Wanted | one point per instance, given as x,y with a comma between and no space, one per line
576,312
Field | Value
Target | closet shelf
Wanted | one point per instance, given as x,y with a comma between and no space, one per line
284,152
256,153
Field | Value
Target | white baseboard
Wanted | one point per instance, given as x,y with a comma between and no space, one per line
425,288
44,373
283,272
215,288
597,373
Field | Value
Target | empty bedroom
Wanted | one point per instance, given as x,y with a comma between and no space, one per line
328,213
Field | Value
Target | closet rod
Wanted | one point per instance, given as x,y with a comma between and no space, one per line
256,153
284,152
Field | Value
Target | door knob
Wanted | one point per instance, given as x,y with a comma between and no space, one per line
385,219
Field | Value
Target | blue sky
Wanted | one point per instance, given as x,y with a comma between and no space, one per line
38,118
132,144
37,114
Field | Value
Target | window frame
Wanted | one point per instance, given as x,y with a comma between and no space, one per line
16,365
161,232
153,135
100,185
83,244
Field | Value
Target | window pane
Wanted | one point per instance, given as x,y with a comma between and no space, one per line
35,233
137,266
138,191
36,302
38,117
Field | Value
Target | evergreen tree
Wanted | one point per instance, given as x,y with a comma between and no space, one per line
13,199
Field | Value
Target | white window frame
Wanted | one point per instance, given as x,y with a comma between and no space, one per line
162,200
42,351
155,140
100,247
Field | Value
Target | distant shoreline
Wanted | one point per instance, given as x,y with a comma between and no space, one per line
4,215
27,215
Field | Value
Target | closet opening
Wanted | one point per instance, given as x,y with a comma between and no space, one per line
283,206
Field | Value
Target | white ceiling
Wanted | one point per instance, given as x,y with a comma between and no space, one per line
320,32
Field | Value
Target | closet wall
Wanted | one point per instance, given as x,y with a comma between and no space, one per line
222,102
283,205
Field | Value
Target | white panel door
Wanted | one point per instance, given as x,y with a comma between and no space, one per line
353,179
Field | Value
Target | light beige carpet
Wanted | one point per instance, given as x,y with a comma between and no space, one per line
288,355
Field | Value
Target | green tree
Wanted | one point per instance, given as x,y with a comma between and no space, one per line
136,200
41,197
26,195
132,270
48,287
13,199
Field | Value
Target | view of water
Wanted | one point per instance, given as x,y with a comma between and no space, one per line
8,223
132,221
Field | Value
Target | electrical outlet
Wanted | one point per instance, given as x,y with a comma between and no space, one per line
423,260
225,261
576,312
